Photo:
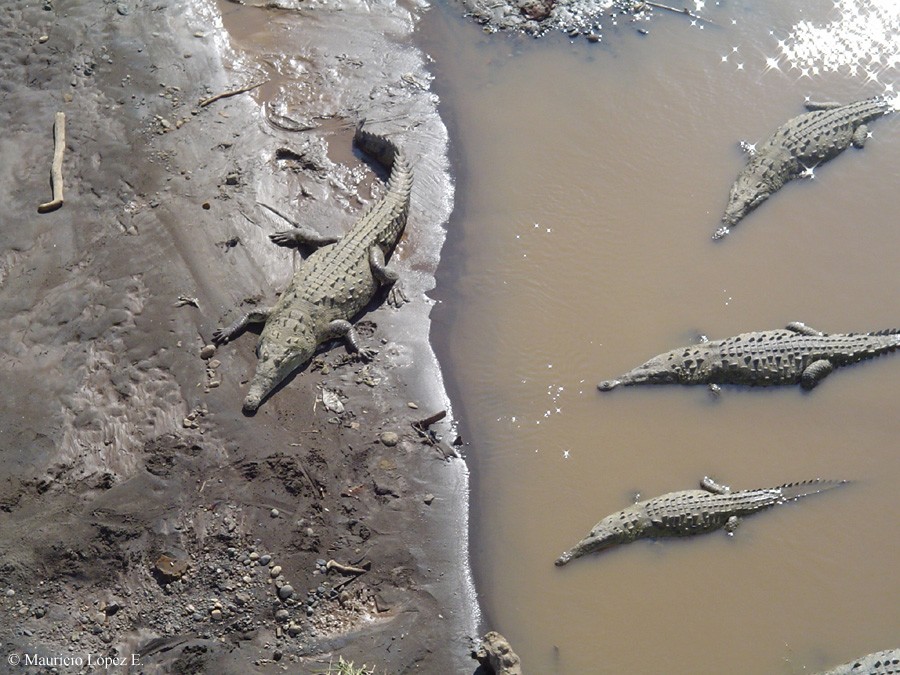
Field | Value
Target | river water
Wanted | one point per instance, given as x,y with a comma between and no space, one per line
590,178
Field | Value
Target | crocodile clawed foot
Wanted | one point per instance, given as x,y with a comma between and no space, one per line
220,337
366,354
284,238
731,525
721,232
397,296
715,391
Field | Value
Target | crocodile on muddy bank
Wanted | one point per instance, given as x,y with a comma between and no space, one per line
334,284
797,354
688,512
878,663
796,148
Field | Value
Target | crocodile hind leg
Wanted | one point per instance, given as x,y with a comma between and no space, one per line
731,525
223,335
342,329
815,372
802,329
387,277
860,136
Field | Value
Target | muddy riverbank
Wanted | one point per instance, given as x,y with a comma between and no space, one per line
143,517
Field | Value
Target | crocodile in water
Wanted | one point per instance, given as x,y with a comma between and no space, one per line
334,284
879,663
796,355
796,148
681,514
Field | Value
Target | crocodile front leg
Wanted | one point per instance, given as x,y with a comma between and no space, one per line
223,335
387,277
301,236
815,372
822,105
860,136
342,329
710,485
802,329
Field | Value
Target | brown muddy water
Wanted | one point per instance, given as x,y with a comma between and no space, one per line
590,178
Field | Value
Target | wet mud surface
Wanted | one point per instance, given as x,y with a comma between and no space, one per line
143,516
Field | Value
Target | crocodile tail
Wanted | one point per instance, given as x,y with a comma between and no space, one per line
792,491
377,146
886,331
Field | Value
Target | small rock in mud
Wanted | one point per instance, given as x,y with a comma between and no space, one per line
170,569
207,352
390,438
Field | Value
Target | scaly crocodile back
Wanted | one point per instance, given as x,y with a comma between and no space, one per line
798,145
687,512
879,663
761,358
821,134
336,281
781,356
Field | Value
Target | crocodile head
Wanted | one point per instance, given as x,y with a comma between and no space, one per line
276,360
748,192
604,535
658,370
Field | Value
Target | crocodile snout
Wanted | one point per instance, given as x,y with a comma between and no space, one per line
251,403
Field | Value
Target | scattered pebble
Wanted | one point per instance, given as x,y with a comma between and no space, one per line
412,405
265,560
43,38
207,352
390,438
275,571
428,498
274,513
285,592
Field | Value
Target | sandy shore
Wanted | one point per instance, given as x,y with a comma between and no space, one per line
143,516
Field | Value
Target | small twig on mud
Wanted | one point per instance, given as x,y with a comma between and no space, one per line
345,582
315,486
56,179
234,92
343,569
683,10
278,213
422,425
